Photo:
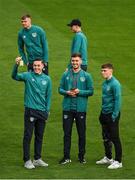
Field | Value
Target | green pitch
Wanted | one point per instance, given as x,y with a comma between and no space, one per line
110,28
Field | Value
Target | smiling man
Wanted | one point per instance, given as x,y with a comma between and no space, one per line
76,86
37,98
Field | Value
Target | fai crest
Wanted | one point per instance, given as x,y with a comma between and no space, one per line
34,34
82,79
44,82
108,88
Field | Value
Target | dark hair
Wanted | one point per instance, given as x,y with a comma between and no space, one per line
25,16
76,22
107,65
38,59
76,55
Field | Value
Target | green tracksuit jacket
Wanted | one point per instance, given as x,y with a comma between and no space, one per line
83,81
111,97
79,45
38,89
34,41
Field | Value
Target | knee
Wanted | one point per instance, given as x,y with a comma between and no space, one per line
107,141
67,135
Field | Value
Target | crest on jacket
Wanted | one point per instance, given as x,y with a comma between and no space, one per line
44,82
82,79
34,34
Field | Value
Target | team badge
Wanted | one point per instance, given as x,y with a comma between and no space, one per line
67,78
65,116
82,79
43,82
108,88
33,79
31,119
24,36
34,34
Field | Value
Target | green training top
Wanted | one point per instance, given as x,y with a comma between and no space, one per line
38,89
34,41
83,81
79,45
111,97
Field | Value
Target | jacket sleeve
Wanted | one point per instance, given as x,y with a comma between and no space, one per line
89,87
61,89
21,48
48,95
18,76
117,101
44,46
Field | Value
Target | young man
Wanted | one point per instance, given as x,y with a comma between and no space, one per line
32,43
76,85
109,117
79,43
37,99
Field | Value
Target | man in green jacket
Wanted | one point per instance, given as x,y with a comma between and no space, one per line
32,43
79,42
76,85
37,98
109,117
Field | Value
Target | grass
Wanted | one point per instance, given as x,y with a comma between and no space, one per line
109,26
